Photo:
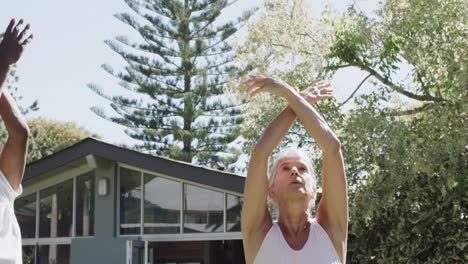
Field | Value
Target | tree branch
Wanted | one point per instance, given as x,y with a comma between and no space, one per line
411,111
357,88
399,89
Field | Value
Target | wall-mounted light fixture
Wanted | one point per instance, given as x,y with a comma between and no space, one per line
103,186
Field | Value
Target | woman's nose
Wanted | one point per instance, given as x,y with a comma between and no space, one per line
294,171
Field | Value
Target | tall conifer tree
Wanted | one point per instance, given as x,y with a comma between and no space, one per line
182,65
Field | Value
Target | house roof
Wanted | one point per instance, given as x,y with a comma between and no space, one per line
170,167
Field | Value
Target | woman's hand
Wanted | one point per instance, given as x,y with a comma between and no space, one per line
313,94
258,83
317,92
14,42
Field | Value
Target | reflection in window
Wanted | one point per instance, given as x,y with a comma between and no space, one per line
56,207
203,210
85,205
233,212
25,210
161,205
29,254
53,254
130,197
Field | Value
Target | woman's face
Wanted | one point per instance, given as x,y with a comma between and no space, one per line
293,178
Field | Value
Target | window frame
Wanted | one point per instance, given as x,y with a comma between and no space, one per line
37,240
176,236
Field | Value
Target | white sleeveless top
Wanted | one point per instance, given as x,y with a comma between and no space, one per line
10,234
317,250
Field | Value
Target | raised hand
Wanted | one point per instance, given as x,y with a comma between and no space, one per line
258,83
14,42
317,92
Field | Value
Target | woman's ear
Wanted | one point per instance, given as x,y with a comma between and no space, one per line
314,192
271,192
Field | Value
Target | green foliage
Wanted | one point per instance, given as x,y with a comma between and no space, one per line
280,38
280,43
429,36
181,67
48,137
407,166
434,42
352,44
409,200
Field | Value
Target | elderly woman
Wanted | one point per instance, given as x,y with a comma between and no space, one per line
295,237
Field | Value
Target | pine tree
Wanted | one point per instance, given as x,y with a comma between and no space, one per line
182,66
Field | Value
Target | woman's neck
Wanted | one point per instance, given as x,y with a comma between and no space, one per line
293,219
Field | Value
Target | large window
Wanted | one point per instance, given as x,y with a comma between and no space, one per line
25,210
56,210
161,205
46,254
233,213
49,245
203,210
29,254
130,201
53,254
84,215
173,206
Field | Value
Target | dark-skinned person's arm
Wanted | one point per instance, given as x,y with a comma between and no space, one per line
13,154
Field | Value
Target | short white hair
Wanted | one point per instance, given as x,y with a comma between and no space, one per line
293,151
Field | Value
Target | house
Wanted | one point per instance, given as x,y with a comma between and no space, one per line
95,202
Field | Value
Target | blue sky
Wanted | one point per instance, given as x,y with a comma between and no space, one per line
68,50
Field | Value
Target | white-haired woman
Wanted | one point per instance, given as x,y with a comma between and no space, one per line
295,237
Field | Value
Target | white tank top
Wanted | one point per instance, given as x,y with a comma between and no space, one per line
317,250
10,234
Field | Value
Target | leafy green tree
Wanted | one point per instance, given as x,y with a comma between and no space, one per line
428,36
408,164
285,41
48,137
180,67
408,204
